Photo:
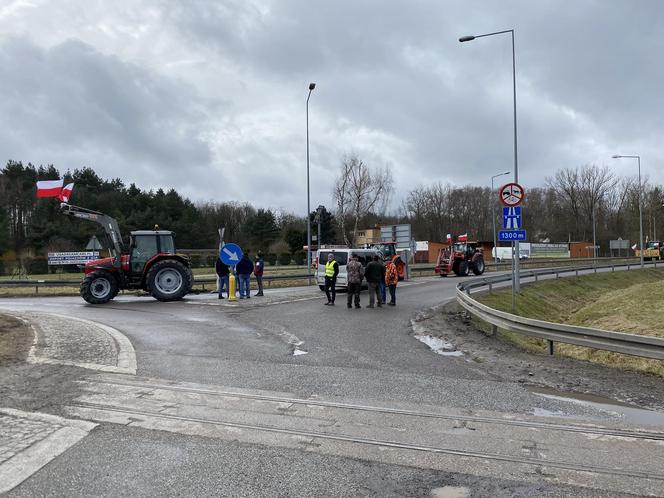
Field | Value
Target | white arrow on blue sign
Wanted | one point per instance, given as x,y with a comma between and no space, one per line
512,218
230,254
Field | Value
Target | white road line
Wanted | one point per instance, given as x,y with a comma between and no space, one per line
126,359
28,461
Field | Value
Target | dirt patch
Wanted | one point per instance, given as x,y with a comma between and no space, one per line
15,340
503,360
29,387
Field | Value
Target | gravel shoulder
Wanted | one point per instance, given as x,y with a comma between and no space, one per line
506,362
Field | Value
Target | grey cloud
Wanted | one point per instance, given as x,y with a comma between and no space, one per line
74,104
394,84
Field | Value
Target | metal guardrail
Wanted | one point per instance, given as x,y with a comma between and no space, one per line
75,283
619,342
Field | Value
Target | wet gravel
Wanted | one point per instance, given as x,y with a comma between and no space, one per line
505,361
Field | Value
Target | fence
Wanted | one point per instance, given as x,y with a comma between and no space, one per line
636,345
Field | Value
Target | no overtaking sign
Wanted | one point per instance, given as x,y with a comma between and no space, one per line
511,194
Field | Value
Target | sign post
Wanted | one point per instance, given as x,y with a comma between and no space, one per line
511,196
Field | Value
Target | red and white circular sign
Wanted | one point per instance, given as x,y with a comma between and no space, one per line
512,194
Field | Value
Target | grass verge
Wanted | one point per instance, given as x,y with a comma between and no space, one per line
629,302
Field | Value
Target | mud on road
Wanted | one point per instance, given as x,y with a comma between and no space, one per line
502,360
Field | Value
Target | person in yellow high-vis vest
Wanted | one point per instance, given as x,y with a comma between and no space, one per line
331,272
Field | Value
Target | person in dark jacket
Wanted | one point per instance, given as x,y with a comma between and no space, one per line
222,272
259,265
374,274
331,272
244,270
355,272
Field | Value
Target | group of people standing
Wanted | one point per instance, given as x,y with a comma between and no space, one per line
379,277
243,271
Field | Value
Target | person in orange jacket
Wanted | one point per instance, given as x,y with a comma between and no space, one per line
391,280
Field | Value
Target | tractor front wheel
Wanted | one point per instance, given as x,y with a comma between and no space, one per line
99,287
478,266
463,269
169,280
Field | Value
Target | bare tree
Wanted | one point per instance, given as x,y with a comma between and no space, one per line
358,191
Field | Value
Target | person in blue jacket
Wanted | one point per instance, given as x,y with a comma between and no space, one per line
244,270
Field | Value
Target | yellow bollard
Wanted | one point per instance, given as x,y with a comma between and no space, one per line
231,287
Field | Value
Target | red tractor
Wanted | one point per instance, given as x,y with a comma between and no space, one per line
460,258
389,252
150,263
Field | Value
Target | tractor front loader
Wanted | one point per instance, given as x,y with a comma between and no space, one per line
150,263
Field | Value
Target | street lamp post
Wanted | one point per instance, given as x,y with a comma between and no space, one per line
493,214
516,283
638,158
319,216
311,88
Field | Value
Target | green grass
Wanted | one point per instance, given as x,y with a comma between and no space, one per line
629,302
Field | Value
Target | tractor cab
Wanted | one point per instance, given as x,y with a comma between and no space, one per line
466,248
146,244
387,249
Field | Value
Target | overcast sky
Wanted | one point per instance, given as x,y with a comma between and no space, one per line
209,96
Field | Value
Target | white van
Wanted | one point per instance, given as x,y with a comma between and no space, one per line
502,253
341,256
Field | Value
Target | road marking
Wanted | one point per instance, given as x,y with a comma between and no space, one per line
125,361
33,455
444,441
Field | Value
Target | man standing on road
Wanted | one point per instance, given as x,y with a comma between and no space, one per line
355,272
258,271
374,273
222,272
331,272
391,280
244,270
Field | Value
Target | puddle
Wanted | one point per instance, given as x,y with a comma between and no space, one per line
541,412
450,492
629,413
438,345
298,352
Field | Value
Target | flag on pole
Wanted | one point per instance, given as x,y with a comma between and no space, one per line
634,247
462,238
449,237
65,193
49,188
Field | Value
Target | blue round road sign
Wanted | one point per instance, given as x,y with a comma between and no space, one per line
230,254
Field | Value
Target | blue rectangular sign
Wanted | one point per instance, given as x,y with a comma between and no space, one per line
512,218
511,235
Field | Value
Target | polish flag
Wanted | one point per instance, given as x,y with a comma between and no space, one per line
65,193
49,188
449,237
462,238
634,247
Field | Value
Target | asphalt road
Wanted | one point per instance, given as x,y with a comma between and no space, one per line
290,344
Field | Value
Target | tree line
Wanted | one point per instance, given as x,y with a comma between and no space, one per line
567,207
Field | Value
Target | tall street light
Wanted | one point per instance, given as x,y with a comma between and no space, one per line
311,88
638,158
493,213
516,283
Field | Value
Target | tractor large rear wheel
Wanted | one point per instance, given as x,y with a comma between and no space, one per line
478,266
99,287
169,280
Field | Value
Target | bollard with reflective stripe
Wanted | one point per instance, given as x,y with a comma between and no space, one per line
231,287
